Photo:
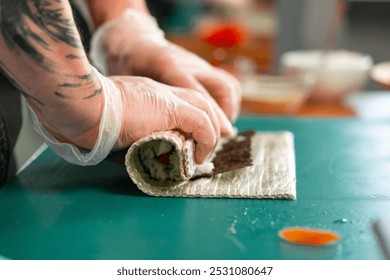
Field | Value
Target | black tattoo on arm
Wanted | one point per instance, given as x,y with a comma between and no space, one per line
72,56
15,27
69,85
94,93
88,82
59,94
87,76
92,82
33,27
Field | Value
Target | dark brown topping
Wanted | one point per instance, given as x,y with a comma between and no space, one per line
235,154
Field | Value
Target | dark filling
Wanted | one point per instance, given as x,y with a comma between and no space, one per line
234,154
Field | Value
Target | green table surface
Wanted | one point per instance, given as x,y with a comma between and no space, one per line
55,210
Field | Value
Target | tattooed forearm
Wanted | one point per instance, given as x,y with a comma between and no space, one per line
88,82
44,30
41,51
87,85
26,25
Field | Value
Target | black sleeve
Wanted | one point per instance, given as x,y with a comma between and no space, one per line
10,125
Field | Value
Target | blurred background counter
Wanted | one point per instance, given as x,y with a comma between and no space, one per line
251,36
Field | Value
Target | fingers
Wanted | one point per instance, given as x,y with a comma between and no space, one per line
188,81
225,89
201,103
196,123
150,106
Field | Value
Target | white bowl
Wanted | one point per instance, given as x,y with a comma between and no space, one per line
380,73
274,94
338,72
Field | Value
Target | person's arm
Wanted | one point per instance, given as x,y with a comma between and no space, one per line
41,52
104,11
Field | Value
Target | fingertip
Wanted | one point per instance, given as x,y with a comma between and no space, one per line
204,145
227,130
201,155
235,113
226,133
199,158
226,125
197,123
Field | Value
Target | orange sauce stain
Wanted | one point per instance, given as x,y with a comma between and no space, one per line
309,237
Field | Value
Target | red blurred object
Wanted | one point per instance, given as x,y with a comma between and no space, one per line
226,35
221,32
164,158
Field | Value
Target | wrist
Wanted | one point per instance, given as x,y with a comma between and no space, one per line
79,127
108,131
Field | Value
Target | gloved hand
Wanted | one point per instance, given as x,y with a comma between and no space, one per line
149,106
135,107
134,45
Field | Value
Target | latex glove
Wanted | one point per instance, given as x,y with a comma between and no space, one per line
134,45
134,107
68,142
150,106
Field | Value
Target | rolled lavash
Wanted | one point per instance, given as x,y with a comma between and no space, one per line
267,171
184,148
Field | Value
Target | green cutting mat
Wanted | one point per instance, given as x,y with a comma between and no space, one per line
54,210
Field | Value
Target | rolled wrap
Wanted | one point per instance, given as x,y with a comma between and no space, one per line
182,160
249,165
